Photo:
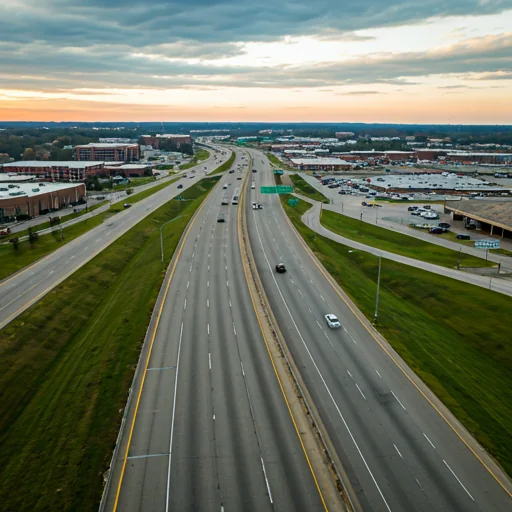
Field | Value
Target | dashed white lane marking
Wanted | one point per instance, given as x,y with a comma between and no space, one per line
214,417
227,284
185,304
188,284
208,268
462,485
226,267
299,291
362,394
234,329
208,284
99,239
190,270
207,303
72,257
209,360
266,480
242,365
399,401
397,450
431,443
322,298
350,375
86,247
230,304
377,372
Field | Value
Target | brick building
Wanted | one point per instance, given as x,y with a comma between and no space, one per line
107,152
154,141
55,171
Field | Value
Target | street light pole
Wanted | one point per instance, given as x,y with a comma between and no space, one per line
378,292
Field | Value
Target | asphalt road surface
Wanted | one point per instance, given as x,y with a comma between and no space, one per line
400,454
26,287
212,431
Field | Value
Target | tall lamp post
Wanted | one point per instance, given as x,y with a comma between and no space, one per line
377,296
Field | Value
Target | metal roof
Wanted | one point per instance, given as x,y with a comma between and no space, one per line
497,213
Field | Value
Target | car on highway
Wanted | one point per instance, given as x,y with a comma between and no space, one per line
280,268
221,217
180,185
239,178
127,205
461,236
254,170
225,187
253,186
332,321
231,171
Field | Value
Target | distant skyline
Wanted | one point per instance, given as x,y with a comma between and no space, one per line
406,61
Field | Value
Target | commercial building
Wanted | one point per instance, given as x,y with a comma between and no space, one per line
107,152
32,199
154,140
321,164
55,171
481,158
493,217
128,170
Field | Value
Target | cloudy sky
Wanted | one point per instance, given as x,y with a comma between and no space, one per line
428,61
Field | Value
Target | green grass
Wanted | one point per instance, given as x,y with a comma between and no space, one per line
305,189
501,252
455,336
200,155
226,165
14,260
276,162
397,243
134,182
67,363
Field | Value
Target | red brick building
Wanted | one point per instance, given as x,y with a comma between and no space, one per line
153,141
55,171
107,152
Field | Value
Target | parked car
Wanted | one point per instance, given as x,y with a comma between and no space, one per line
332,321
412,208
427,207
437,231
280,268
463,237
444,225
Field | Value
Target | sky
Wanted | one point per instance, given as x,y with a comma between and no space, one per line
399,61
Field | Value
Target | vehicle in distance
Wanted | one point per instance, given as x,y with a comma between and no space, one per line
280,268
231,171
225,201
257,206
253,186
236,197
254,170
180,185
463,237
412,208
332,321
444,225
239,178
437,230
127,205
225,186
221,218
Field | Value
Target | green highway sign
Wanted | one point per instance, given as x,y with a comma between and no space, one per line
280,189
180,198
293,202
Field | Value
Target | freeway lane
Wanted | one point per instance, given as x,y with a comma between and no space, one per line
212,430
399,453
26,287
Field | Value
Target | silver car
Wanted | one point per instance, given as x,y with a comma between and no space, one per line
332,321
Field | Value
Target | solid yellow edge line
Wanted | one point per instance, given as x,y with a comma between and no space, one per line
328,277
153,336
242,195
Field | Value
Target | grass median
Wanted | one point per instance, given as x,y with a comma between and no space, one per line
387,240
305,189
276,162
67,363
199,156
455,336
226,165
13,260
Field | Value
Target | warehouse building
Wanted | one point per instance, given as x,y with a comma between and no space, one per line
321,164
55,171
32,199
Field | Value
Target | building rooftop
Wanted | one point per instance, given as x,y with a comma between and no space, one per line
494,212
319,161
105,145
72,164
32,189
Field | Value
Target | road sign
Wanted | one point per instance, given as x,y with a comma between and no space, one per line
180,198
293,202
280,189
487,244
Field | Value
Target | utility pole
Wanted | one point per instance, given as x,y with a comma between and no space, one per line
377,296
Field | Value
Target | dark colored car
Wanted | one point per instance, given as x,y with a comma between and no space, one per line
232,171
127,205
463,237
280,268
444,225
412,208
180,186
437,231
254,170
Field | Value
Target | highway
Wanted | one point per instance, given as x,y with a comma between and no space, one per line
400,447
26,287
210,429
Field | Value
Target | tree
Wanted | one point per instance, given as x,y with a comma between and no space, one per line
29,154
32,236
129,191
15,242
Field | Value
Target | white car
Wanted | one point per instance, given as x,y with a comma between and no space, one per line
332,321
253,186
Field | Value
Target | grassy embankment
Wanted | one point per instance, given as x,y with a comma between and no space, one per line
199,156
67,363
277,163
304,188
398,243
12,260
226,165
455,336
134,182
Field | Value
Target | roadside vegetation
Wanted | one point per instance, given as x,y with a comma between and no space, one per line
14,257
387,240
276,162
67,363
455,336
200,155
226,165
305,189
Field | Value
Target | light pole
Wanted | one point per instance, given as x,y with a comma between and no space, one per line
377,296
